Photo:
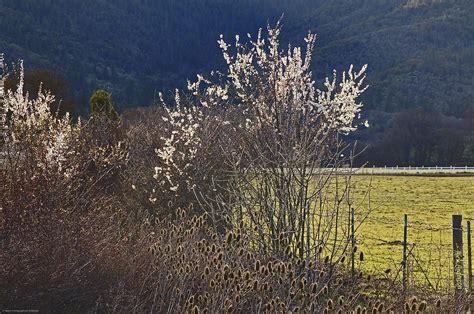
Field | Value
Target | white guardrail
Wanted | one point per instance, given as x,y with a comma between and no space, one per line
416,170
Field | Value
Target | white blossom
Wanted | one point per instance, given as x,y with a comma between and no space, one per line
31,121
271,86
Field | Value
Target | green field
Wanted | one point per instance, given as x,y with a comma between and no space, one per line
430,203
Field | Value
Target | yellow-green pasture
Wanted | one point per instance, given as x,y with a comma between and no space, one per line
429,203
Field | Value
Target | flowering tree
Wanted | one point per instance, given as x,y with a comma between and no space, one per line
284,150
180,141
48,163
180,144
32,132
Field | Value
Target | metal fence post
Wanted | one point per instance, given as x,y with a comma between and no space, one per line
353,243
458,254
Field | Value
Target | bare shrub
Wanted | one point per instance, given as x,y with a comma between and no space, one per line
57,183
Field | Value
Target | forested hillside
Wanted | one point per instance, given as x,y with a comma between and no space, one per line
420,53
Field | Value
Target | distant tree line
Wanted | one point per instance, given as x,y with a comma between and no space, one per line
411,137
420,137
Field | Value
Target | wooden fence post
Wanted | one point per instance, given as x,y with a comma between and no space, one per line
469,256
405,275
458,254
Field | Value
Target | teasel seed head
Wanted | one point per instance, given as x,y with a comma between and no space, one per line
325,290
301,285
293,283
291,274
423,306
270,266
330,304
340,301
265,271
255,285
380,307
257,265
407,307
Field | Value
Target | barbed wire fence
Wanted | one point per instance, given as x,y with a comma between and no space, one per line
417,255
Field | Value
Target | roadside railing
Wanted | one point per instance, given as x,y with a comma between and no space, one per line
415,170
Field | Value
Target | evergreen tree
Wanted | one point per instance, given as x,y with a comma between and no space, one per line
101,104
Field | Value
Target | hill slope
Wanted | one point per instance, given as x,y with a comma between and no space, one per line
420,53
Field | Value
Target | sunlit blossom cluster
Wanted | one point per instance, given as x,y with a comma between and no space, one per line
31,123
180,144
272,87
36,135
262,65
